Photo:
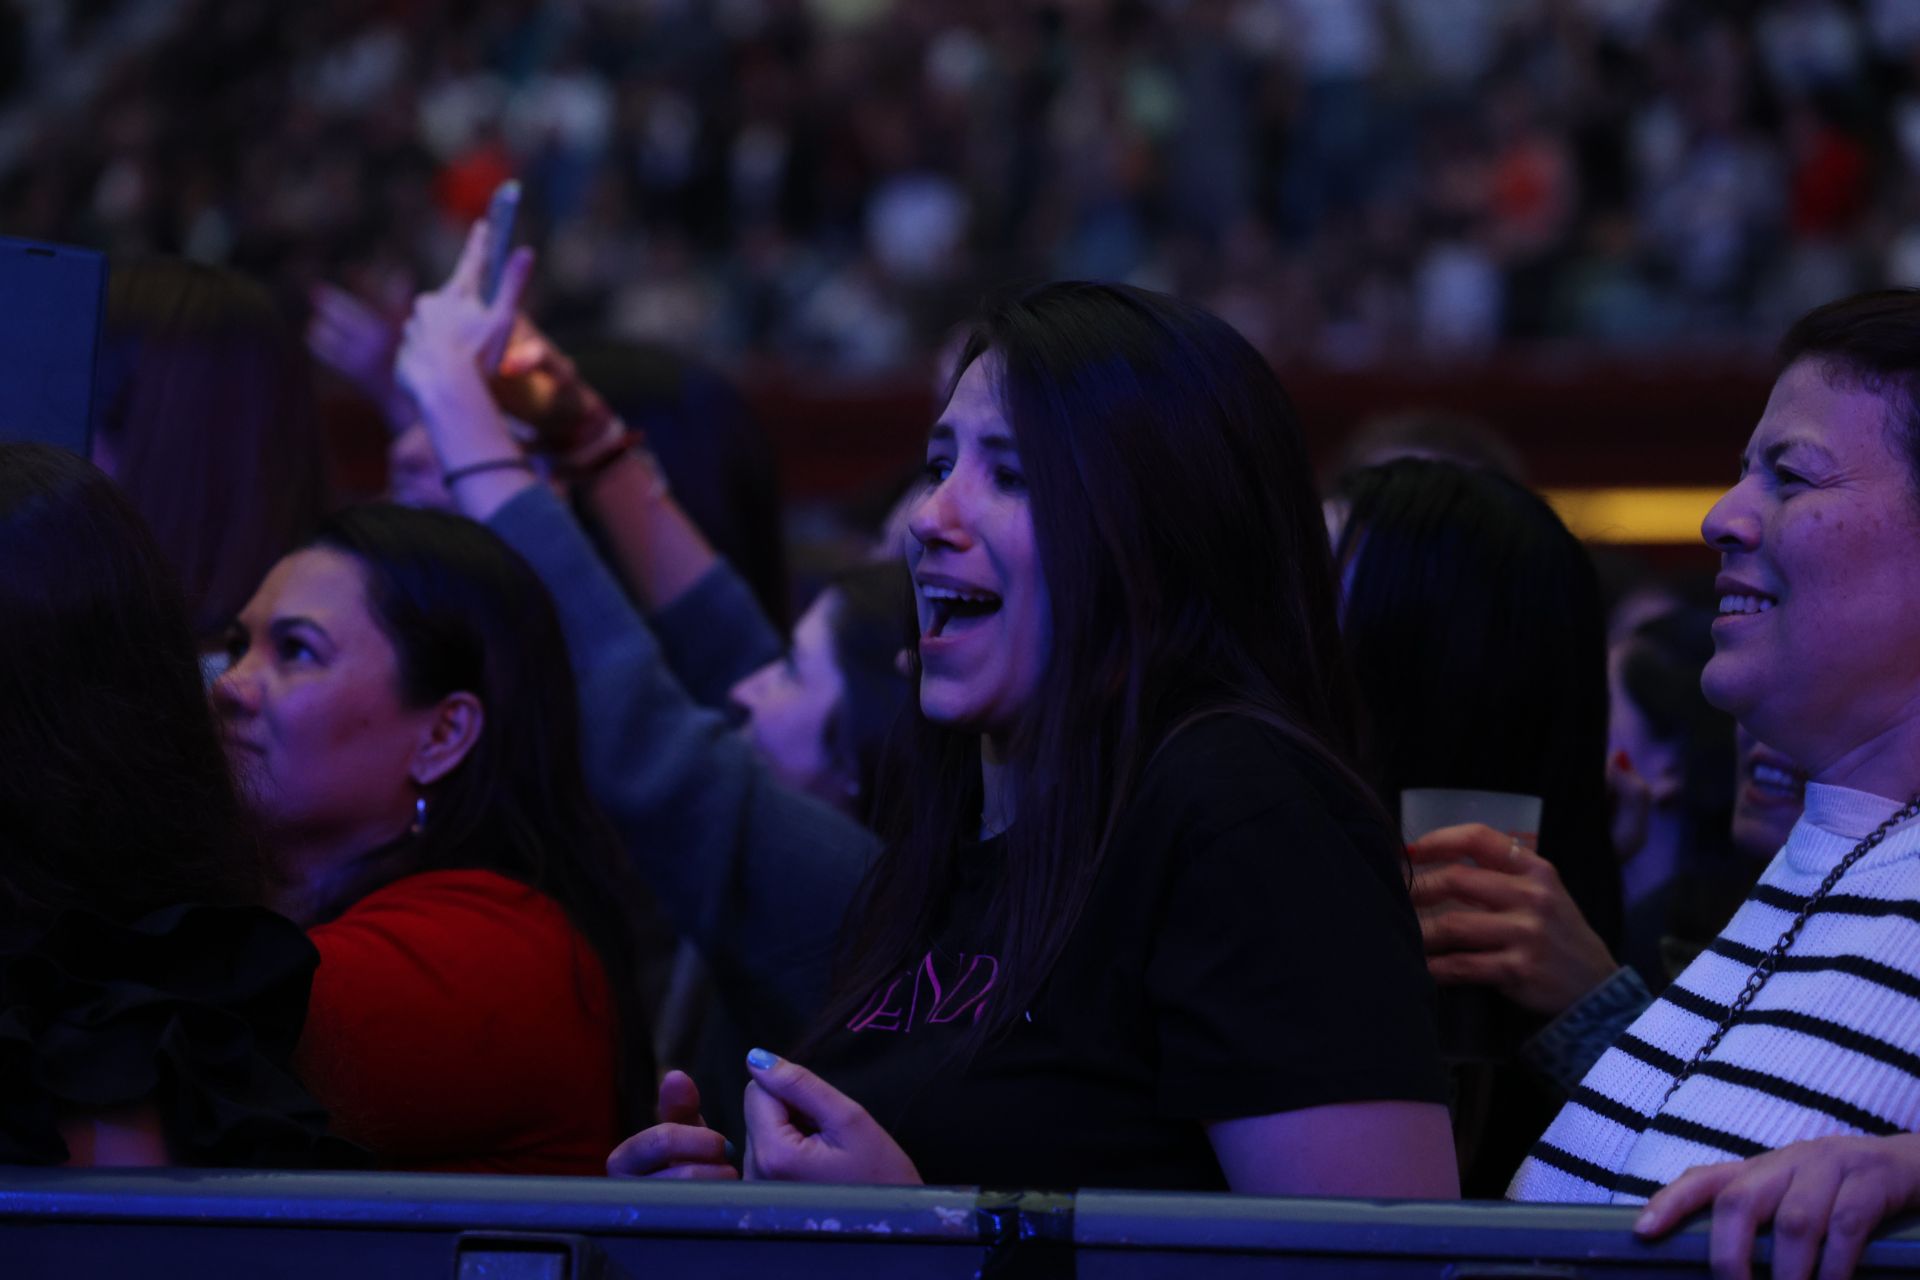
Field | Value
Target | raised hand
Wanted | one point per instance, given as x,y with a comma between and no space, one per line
454,337
359,342
538,384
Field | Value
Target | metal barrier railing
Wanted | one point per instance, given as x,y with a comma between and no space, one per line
478,1227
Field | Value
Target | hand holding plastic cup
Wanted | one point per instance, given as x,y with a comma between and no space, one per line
1467,1015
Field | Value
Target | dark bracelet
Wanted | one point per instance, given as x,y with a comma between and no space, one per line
452,477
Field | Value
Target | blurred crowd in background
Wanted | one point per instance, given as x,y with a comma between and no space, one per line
828,184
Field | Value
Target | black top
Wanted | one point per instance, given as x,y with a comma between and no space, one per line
194,1010
1248,948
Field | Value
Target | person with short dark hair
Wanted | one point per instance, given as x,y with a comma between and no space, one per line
1793,1034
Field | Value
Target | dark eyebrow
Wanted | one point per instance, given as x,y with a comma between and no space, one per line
998,442
1772,454
281,626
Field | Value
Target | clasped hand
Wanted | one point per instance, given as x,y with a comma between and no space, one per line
799,1129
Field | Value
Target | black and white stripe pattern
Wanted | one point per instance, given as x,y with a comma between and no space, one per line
1830,1045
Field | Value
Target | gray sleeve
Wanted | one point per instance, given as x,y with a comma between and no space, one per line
1565,1049
758,876
714,635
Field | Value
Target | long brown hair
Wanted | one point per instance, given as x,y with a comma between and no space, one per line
208,418
1188,573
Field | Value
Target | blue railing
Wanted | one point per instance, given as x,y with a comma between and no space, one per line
370,1226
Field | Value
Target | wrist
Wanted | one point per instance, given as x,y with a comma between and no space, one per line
464,424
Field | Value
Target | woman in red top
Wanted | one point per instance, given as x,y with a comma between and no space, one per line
400,714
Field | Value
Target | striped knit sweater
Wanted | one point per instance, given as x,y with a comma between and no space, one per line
1830,1045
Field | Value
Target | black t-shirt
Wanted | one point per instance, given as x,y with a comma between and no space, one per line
1248,948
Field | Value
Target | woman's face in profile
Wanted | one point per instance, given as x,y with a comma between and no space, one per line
1817,643
791,701
979,592
315,727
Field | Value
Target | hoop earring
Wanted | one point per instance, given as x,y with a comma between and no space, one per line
419,827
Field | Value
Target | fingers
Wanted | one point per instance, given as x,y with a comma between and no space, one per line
1743,1206
472,264
1489,848
773,1140
664,1145
1684,1196
1497,890
1800,1223
679,1100
803,1092
1468,930
1859,1204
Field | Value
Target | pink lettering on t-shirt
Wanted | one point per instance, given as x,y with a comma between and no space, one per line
964,987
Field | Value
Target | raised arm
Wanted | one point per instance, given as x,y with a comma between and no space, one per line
757,875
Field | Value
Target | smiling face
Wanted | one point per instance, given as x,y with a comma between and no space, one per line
981,598
1769,791
790,703
318,734
1817,646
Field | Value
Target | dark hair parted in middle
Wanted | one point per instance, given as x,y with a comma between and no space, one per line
1474,621
1187,573
465,613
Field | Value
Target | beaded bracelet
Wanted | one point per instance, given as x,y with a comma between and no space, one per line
458,474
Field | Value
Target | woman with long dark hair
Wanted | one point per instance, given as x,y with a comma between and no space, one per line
1474,623
1137,923
401,712
1477,636
148,1007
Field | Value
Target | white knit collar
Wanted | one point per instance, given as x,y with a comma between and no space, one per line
1845,812
1836,819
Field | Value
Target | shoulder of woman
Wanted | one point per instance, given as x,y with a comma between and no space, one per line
468,912
1231,755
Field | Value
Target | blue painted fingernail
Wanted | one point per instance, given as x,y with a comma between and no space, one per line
732,1152
760,1059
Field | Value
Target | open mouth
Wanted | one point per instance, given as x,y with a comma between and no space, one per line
1735,606
1774,779
952,609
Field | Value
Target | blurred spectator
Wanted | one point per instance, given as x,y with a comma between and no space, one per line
829,183
207,421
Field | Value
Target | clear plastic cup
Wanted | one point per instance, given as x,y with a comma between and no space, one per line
1425,809
1470,1017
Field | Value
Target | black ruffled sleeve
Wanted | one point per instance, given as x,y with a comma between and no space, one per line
193,1009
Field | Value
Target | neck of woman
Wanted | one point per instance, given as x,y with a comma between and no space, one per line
1886,764
996,789
318,879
